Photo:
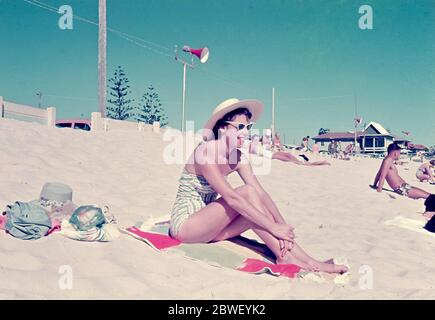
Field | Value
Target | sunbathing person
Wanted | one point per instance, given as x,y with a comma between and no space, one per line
388,172
288,157
425,172
199,215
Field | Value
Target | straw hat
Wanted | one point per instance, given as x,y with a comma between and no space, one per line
254,106
55,191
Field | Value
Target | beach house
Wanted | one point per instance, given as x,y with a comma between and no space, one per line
373,139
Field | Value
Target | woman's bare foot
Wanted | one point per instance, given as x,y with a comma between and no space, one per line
328,267
290,259
429,214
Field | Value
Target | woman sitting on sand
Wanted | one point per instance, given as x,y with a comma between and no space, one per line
425,172
200,216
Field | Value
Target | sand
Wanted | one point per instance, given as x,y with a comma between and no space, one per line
334,212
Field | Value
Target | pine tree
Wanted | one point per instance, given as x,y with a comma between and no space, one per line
119,107
150,108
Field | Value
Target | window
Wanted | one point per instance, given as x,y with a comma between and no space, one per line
379,142
82,126
64,125
368,142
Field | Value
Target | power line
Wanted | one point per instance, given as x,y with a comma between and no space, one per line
79,18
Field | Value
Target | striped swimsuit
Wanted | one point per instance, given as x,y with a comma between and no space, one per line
194,193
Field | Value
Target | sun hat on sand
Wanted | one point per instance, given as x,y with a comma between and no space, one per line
55,191
254,106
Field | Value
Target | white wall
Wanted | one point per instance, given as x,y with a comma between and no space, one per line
22,112
107,124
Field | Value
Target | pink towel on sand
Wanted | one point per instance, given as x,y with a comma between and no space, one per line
161,241
258,266
156,240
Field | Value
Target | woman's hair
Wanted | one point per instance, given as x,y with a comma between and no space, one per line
432,162
222,122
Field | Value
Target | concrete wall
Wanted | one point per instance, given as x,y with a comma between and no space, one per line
22,112
106,124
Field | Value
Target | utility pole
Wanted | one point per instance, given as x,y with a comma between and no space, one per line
39,94
273,112
102,71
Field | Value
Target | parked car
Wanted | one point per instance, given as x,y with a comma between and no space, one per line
82,124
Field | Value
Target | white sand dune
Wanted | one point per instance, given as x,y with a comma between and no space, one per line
333,209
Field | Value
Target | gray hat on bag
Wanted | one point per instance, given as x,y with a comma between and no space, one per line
55,191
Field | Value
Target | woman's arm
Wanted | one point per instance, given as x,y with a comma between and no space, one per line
245,171
210,170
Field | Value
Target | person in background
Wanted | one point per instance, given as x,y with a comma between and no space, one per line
388,172
425,172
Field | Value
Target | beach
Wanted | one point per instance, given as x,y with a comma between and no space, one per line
332,208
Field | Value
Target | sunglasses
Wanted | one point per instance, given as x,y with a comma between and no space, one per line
240,126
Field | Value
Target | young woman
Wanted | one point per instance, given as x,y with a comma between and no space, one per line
425,172
199,215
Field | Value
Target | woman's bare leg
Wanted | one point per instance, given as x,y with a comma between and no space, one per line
218,221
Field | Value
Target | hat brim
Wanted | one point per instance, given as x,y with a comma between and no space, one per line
254,106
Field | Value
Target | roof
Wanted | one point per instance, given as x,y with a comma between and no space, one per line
337,135
380,129
417,146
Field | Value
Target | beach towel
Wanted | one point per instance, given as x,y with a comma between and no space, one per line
222,254
257,266
239,253
409,224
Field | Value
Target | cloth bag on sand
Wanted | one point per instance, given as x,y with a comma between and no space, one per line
90,223
27,221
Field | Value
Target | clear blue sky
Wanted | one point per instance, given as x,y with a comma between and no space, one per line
305,49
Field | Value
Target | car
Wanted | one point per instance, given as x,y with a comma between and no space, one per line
81,124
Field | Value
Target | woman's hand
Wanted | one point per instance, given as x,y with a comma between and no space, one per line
285,246
283,231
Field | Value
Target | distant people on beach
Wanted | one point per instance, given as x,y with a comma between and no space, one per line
425,172
277,146
388,172
333,149
256,147
288,157
304,144
207,208
315,148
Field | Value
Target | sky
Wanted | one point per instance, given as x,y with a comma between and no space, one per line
312,52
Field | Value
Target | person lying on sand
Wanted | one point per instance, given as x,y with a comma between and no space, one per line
425,172
200,216
288,157
388,172
257,148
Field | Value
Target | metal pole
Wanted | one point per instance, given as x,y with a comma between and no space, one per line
184,97
273,112
102,71
39,94
356,124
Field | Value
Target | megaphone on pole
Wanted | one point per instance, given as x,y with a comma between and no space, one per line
202,53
